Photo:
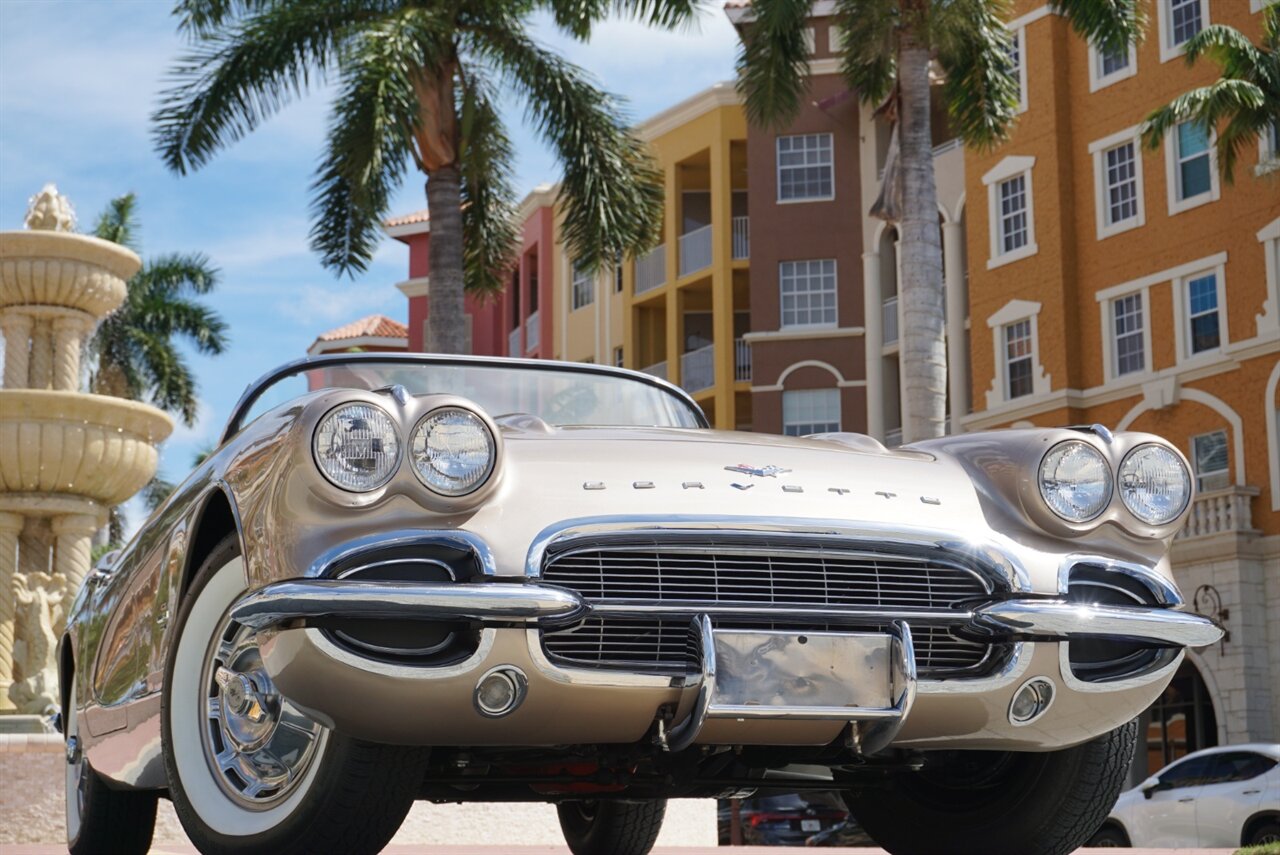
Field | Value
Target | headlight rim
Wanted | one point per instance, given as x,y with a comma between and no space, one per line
1107,468
494,449
1186,474
395,430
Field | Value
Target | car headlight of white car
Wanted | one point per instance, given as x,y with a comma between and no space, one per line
356,447
453,451
1075,481
1154,484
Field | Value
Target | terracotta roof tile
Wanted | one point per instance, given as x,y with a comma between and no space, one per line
408,219
374,326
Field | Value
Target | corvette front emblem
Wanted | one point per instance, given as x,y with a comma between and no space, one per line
761,471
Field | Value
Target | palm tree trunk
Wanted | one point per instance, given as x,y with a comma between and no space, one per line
448,327
924,351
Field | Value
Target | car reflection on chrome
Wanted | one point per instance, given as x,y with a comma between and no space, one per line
409,577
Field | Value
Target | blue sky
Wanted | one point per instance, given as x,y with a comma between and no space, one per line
78,80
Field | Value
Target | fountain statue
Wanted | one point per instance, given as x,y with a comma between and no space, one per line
66,457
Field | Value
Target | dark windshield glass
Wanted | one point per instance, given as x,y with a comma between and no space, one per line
557,395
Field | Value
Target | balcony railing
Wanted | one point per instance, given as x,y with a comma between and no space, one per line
651,269
657,369
698,369
532,332
741,359
889,321
741,238
695,250
1220,512
513,343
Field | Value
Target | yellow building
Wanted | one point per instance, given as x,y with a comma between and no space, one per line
685,303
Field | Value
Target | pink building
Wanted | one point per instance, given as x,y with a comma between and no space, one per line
517,322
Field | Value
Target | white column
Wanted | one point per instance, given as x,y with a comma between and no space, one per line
873,339
17,349
68,333
72,550
10,528
957,311
41,355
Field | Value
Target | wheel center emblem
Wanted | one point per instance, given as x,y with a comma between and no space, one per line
757,471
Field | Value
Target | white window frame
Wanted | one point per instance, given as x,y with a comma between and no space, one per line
1171,173
810,41
1010,167
835,291
1098,80
1012,312
1102,203
618,359
835,41
1110,362
576,279
1268,154
1164,22
1020,40
1182,314
1195,462
777,166
1268,322
832,392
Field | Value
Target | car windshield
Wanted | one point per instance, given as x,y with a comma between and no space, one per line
559,394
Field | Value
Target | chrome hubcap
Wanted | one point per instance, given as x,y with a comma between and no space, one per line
257,743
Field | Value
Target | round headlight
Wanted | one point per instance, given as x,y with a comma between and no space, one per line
453,451
357,448
1075,481
1154,484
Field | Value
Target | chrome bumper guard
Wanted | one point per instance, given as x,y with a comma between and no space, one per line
743,675
507,603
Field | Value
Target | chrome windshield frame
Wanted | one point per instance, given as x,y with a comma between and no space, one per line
255,390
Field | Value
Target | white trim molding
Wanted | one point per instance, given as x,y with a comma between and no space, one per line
803,333
1109,366
1098,80
1010,167
1214,403
1269,320
1019,33
723,94
1098,150
1272,411
1013,312
1164,24
781,382
416,287
1171,155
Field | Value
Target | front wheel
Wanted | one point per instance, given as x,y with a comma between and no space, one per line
1001,803
611,828
248,771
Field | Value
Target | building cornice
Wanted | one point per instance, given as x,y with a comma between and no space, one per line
416,287
765,336
342,344
723,94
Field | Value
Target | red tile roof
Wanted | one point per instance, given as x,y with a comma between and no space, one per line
408,219
374,326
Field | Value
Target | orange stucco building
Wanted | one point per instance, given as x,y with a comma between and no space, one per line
1137,288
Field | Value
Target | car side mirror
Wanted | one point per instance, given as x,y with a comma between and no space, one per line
1151,786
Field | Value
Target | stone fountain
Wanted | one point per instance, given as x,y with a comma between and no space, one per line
66,456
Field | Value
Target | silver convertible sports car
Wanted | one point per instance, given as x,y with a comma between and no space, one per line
409,577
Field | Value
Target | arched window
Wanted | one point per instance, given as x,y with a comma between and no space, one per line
1180,721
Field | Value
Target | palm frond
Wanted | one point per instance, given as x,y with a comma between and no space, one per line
611,189
577,17
156,492
203,17
1111,25
178,273
237,76
1241,104
488,195
773,61
118,223
868,35
973,47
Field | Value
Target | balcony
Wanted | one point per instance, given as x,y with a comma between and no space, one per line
513,343
889,321
695,250
741,359
1220,512
532,332
657,369
651,269
741,238
698,369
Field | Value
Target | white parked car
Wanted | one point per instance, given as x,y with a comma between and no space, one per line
1227,796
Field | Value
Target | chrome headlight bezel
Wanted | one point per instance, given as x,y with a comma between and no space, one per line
418,434
1187,482
338,480
1108,481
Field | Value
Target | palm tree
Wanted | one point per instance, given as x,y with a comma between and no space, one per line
889,49
1244,101
417,87
133,353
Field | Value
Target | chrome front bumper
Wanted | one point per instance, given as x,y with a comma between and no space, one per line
537,604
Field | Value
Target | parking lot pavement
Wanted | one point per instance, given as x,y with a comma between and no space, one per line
173,849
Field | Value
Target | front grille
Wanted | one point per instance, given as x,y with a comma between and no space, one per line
774,572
